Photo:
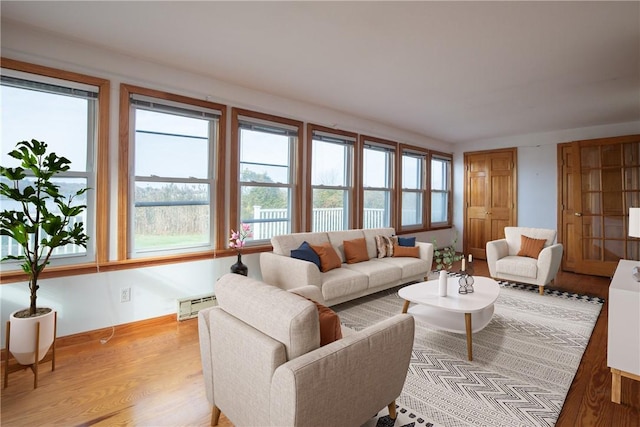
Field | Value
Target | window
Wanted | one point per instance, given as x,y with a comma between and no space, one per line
378,160
172,186
331,179
412,203
64,113
440,190
267,149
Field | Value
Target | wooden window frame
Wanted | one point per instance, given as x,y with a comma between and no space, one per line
449,222
234,201
393,147
425,193
101,168
124,198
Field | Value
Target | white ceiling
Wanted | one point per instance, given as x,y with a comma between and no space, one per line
454,71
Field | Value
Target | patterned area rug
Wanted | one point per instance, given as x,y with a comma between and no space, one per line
524,360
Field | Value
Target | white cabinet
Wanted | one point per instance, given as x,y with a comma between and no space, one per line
623,355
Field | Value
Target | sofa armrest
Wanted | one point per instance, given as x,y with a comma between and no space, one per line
426,252
288,273
495,250
311,292
345,382
549,260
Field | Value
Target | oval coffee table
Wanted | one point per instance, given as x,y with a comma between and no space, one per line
459,313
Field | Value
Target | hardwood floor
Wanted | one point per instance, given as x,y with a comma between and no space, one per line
149,374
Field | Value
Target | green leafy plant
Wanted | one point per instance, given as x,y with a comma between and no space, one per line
445,256
42,221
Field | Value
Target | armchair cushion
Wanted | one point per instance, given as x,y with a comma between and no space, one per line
530,247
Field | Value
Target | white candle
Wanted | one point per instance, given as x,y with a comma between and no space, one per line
442,283
470,258
464,267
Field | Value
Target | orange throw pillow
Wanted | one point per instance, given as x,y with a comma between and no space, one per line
406,251
330,329
355,251
530,247
329,258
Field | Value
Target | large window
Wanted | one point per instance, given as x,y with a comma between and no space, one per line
332,165
63,113
172,189
412,205
378,161
440,191
267,148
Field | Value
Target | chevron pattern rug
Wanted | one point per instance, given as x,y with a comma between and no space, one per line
524,360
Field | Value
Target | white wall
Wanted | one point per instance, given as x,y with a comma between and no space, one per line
537,170
88,302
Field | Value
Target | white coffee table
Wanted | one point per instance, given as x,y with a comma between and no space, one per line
459,313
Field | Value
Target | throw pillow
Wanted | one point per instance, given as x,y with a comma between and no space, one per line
330,328
329,258
406,251
406,241
355,250
306,253
384,245
530,247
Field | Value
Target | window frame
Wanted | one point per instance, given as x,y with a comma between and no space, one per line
295,172
424,154
127,177
449,190
391,147
351,173
99,172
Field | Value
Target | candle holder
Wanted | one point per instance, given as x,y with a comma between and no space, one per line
466,283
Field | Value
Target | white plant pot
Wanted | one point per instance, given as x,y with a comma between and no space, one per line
23,336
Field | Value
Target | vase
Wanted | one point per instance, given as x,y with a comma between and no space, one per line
239,267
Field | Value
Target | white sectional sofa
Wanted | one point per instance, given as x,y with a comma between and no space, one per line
350,281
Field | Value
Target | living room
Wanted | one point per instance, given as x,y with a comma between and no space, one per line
91,301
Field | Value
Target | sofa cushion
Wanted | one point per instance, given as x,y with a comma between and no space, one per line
330,328
410,267
341,282
355,251
284,244
406,241
399,250
385,245
517,266
378,273
337,239
530,247
370,237
306,253
329,258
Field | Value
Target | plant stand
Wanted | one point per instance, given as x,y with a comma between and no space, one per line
50,356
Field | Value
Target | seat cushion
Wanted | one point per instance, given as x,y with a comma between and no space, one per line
517,266
342,281
410,267
378,273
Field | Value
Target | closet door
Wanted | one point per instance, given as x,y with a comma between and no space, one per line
600,181
490,198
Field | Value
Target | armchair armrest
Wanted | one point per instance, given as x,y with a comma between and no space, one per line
495,250
345,382
288,273
549,260
310,291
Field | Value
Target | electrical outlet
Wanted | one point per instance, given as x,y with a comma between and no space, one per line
125,294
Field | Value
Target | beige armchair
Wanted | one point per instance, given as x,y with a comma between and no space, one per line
263,365
504,262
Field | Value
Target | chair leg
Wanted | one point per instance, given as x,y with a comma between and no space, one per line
541,290
215,416
392,410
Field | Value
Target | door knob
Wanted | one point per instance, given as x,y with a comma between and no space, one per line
487,213
578,214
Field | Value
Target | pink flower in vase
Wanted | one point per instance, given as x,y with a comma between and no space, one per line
237,239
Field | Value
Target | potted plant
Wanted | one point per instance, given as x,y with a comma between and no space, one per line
42,219
445,256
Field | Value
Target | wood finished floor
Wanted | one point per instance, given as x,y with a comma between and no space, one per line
150,375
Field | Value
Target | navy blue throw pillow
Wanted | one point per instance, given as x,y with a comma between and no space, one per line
306,253
406,241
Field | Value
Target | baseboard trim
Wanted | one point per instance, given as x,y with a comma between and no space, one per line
103,333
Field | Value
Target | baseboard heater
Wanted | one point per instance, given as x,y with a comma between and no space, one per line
188,308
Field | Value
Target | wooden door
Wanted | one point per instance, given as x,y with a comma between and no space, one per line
490,198
599,181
